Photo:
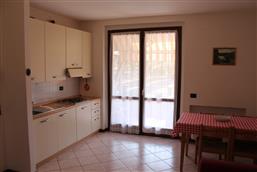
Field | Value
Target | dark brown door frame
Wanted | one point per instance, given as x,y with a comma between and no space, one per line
141,32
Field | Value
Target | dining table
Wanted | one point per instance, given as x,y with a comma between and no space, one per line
190,123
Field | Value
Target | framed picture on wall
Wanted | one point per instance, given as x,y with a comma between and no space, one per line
224,56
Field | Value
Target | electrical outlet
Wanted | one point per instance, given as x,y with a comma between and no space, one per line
61,88
193,95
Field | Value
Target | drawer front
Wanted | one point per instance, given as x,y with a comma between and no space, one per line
84,106
95,104
96,112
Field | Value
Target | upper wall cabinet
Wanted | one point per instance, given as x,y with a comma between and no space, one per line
86,54
73,48
55,51
37,49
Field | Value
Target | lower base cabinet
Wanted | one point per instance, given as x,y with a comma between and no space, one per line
60,130
66,128
46,142
83,121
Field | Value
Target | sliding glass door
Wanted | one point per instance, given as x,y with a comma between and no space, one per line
144,80
159,81
125,83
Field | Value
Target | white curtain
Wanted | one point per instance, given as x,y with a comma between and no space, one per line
160,53
125,83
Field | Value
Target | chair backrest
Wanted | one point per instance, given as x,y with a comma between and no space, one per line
217,110
206,131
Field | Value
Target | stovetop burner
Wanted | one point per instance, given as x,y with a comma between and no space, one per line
74,100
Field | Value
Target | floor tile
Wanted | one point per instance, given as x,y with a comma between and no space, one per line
113,165
66,155
73,169
175,162
106,157
141,168
93,168
149,158
49,166
164,155
68,163
83,153
123,154
158,166
85,160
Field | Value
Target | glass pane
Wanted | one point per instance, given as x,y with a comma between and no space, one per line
125,80
160,53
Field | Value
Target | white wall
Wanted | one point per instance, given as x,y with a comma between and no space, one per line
59,19
229,86
15,86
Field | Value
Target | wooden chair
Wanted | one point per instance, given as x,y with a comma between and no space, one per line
244,146
215,110
211,141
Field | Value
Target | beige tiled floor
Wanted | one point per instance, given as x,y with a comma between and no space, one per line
119,152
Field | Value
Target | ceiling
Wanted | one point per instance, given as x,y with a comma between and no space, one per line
112,9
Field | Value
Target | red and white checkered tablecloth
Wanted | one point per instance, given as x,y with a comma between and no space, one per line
190,123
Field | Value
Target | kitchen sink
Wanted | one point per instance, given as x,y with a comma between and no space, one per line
41,109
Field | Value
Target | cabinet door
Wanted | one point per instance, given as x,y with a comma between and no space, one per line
55,52
66,128
86,54
73,48
37,49
83,121
46,135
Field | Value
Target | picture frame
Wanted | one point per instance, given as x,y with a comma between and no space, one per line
224,56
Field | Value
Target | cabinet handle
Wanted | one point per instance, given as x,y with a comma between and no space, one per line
32,78
96,104
54,76
61,115
84,107
72,64
43,121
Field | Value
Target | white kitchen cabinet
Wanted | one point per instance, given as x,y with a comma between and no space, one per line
36,41
83,120
73,48
46,137
86,54
55,38
66,128
95,115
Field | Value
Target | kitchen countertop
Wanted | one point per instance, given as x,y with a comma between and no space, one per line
58,106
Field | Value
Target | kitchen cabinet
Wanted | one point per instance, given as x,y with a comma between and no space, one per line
66,128
83,120
46,137
95,115
36,41
86,54
55,51
60,130
73,48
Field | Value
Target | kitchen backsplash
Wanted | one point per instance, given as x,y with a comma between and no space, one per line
47,91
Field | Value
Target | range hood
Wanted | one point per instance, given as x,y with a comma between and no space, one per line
75,72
